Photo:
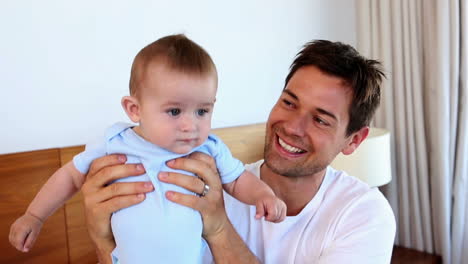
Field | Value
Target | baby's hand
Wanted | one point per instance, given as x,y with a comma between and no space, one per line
24,231
273,208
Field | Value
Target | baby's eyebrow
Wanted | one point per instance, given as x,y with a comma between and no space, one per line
172,104
206,104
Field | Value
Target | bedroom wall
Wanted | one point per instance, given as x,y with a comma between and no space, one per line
65,65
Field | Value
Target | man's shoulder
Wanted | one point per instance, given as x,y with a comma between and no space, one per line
350,194
358,218
340,183
354,200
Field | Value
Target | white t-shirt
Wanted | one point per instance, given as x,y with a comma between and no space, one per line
345,222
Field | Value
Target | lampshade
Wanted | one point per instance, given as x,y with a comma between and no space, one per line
371,161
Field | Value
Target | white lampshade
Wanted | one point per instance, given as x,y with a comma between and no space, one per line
371,161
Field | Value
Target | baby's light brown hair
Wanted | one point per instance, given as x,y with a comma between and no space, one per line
177,52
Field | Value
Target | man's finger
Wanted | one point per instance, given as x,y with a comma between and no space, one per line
188,200
106,161
109,174
121,202
200,168
110,206
204,158
120,189
126,188
188,182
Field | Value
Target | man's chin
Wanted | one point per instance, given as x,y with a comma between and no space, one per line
290,169
279,167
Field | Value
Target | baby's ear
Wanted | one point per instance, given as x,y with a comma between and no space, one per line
132,107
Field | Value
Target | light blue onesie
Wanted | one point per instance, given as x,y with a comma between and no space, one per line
156,230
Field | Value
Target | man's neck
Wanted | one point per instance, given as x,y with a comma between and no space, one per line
295,192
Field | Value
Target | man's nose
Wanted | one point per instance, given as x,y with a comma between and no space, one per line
296,125
187,123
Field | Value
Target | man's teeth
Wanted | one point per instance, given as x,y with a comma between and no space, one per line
289,147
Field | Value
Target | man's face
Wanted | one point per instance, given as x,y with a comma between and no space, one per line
306,128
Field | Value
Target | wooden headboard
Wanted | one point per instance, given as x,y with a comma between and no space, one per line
64,238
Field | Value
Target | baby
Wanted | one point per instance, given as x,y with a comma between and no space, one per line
173,86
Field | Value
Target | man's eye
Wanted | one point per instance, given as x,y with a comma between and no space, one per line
202,112
174,111
288,103
321,121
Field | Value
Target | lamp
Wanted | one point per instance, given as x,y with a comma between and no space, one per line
371,161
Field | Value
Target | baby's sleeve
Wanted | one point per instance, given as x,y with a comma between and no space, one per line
93,150
229,167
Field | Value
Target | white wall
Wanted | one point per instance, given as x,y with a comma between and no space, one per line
64,65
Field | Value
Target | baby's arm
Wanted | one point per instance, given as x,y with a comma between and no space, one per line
65,182
251,190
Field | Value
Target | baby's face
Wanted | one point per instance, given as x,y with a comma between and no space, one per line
176,108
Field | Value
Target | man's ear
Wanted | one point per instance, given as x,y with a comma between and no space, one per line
132,107
355,141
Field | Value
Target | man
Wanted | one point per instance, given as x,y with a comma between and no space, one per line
329,98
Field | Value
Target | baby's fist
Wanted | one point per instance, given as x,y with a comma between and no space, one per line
24,231
272,208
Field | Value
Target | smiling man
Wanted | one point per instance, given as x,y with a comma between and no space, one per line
330,96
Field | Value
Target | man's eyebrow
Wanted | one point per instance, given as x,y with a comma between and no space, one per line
325,112
293,95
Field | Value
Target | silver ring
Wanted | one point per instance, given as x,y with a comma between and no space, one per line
206,188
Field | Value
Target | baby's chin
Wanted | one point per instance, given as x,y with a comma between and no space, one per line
180,151
184,149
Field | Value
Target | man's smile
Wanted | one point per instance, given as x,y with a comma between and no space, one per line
289,148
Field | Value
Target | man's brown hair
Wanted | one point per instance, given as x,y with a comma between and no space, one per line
364,76
177,52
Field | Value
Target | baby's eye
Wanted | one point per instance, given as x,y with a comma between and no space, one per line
202,112
174,111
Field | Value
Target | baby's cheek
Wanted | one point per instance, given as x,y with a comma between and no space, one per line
200,141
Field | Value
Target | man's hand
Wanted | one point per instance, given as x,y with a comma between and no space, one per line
210,206
224,242
101,199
